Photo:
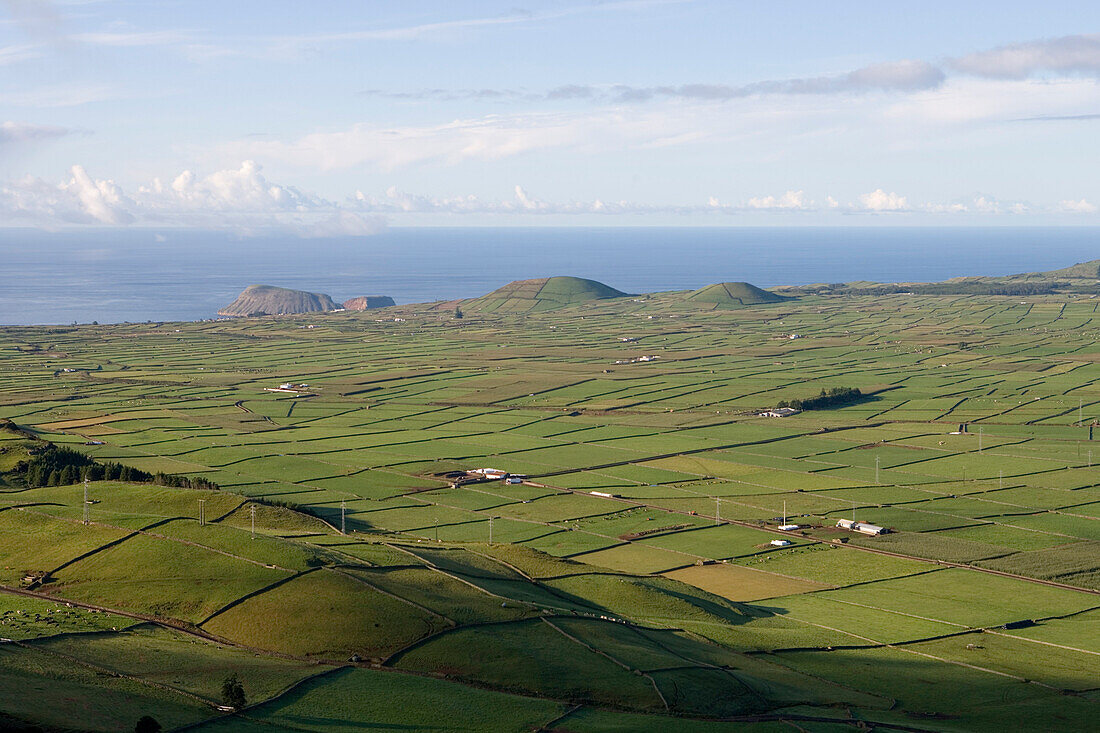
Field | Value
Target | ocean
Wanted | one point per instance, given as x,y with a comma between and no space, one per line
114,276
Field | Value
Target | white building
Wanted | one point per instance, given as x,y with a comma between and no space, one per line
779,412
862,527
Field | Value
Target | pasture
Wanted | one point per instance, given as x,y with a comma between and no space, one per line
348,569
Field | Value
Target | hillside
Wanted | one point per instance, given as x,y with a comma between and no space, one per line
543,294
1082,278
1089,270
368,302
268,300
733,294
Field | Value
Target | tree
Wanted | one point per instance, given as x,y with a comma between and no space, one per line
233,692
458,312
147,724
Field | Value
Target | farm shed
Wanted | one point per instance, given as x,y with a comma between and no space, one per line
779,412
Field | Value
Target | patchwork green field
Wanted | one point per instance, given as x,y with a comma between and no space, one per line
349,571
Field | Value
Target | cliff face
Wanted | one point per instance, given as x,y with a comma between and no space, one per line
367,302
267,300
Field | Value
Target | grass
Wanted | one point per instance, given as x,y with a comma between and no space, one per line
23,618
37,543
738,583
340,703
531,657
52,691
161,578
530,388
831,565
949,595
1076,564
324,614
183,662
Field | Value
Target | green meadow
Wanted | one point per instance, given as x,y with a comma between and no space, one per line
635,579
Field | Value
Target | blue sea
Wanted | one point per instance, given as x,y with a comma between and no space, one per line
140,275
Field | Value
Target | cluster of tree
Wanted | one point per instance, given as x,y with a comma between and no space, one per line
54,466
828,398
233,692
183,482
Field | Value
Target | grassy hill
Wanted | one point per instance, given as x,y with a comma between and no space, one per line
1089,270
268,300
541,294
733,294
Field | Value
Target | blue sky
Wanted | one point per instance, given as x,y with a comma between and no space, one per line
345,117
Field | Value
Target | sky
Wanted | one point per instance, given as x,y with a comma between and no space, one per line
343,118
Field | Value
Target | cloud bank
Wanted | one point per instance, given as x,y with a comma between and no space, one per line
244,200
241,200
1066,55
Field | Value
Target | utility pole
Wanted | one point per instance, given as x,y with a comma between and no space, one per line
252,511
979,440
1001,479
876,469
343,516
202,512
437,529
717,510
784,512
490,530
87,519
1080,407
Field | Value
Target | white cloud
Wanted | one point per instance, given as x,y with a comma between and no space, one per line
1065,55
1077,207
101,200
241,200
243,189
489,137
791,200
17,132
879,200
79,200
978,204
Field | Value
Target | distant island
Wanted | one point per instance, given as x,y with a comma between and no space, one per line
268,300
368,302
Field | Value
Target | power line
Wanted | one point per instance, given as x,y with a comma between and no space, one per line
252,511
